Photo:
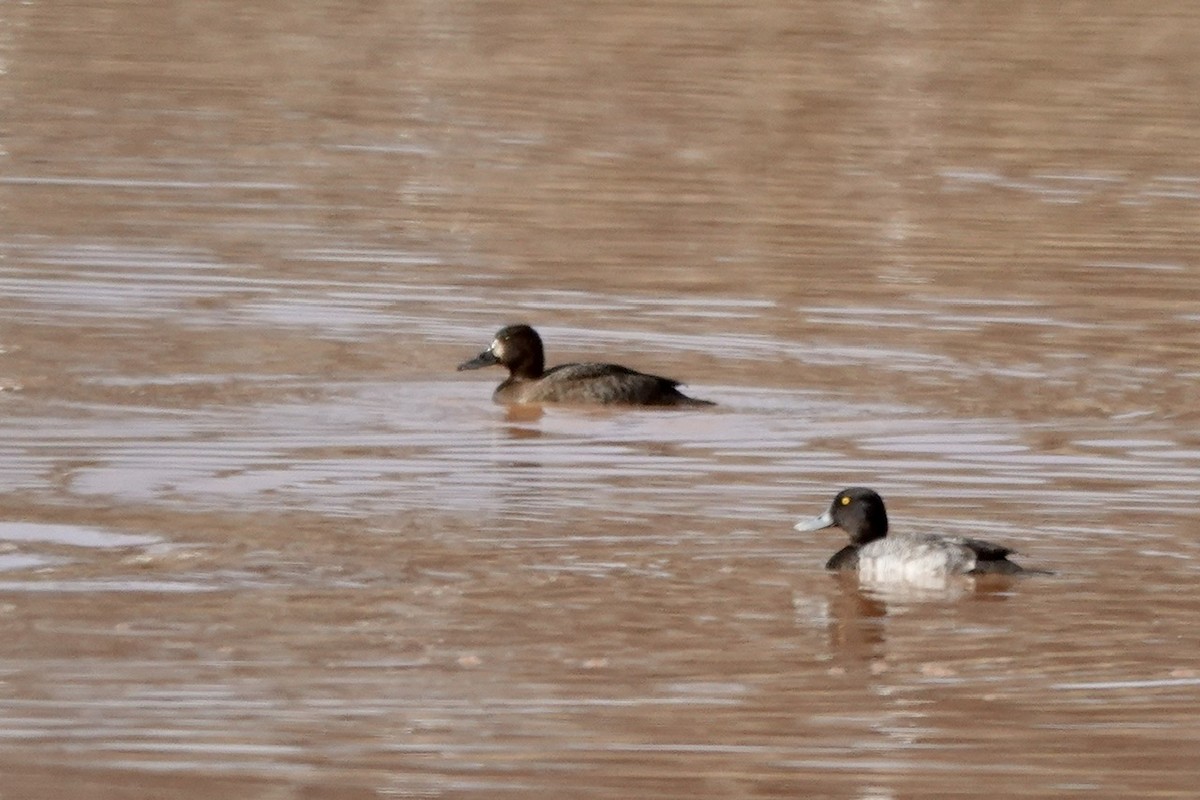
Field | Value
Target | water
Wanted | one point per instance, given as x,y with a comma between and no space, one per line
257,534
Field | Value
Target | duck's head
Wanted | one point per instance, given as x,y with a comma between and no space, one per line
858,511
517,347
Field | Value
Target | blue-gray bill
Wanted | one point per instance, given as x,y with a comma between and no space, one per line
817,523
485,359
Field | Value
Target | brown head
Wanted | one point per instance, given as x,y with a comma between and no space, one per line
517,347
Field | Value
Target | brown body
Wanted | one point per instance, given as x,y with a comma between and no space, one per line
519,349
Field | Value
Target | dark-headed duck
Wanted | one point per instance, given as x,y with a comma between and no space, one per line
519,348
911,557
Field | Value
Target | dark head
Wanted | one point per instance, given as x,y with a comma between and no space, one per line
857,511
517,347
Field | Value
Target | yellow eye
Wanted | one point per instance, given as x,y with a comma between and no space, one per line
845,500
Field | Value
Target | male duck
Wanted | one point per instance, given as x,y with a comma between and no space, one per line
913,557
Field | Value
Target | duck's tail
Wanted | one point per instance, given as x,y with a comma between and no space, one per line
683,401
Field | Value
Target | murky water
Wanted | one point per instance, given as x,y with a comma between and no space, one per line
258,537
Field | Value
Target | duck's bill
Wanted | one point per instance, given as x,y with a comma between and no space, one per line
485,359
816,523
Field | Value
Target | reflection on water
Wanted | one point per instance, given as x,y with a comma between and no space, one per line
382,448
74,535
255,531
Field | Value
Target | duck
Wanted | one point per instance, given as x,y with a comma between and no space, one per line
519,349
913,557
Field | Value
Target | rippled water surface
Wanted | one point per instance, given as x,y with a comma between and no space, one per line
259,539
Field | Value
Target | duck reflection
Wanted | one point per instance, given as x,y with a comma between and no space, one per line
856,620
522,421
858,610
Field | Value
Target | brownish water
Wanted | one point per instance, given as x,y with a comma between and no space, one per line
258,539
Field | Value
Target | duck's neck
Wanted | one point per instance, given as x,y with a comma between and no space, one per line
872,526
867,535
529,368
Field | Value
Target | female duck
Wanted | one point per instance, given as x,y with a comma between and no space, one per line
916,558
519,348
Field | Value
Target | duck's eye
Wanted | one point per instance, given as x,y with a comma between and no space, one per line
844,500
